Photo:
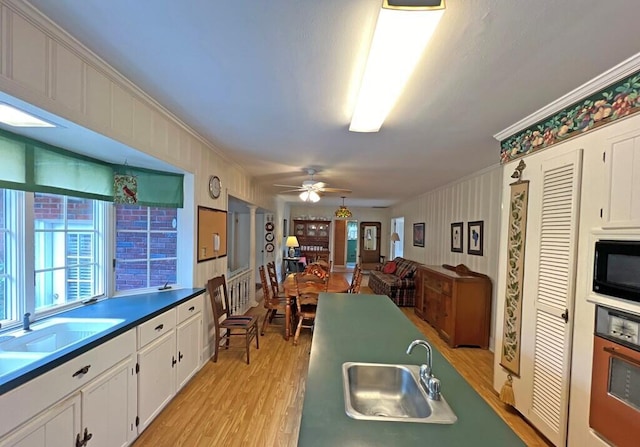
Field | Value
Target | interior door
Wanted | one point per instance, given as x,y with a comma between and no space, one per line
339,242
555,204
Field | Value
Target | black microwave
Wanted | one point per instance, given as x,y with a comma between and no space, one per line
616,269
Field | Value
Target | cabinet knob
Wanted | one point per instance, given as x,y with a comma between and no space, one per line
173,361
159,327
180,356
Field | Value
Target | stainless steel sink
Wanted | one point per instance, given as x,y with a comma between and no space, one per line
388,392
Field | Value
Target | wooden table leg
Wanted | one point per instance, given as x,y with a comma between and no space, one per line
287,318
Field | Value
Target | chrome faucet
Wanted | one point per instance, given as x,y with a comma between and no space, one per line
26,323
430,383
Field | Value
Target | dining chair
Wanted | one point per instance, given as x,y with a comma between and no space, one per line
272,304
244,325
273,280
308,287
356,280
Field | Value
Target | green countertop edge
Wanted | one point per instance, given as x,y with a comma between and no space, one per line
370,328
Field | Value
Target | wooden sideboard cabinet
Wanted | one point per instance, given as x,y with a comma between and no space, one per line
457,302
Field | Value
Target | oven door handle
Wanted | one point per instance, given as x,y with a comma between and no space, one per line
620,355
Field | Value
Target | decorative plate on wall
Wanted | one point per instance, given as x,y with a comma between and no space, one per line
269,247
268,237
268,226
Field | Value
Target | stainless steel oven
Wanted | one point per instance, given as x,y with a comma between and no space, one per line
615,381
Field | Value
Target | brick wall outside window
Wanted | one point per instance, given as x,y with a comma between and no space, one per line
146,246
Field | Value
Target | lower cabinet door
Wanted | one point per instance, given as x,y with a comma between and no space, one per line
109,406
156,378
189,339
56,426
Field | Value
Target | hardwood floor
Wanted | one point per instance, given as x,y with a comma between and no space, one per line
230,403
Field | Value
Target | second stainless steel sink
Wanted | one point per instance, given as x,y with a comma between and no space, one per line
390,392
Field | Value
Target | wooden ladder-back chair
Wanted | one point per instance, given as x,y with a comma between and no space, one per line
245,325
272,304
273,280
308,287
356,280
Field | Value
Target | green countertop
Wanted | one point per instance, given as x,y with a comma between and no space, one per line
370,328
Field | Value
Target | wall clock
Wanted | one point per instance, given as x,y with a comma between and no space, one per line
268,237
215,187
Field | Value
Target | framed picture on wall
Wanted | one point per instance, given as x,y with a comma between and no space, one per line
474,237
418,234
456,237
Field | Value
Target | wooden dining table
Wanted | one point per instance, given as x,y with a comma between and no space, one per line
337,284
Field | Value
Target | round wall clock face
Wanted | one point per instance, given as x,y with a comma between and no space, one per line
268,226
215,187
268,237
269,247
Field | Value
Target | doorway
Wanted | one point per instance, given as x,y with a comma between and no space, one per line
397,247
352,243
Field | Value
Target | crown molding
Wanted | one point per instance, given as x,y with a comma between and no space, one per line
600,82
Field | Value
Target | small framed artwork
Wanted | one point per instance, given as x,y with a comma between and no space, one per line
474,237
418,234
456,237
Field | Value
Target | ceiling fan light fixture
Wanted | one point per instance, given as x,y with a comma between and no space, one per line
309,196
400,37
343,212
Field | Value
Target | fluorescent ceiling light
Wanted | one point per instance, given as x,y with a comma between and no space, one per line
17,118
309,196
398,43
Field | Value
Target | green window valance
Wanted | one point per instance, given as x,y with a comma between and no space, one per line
31,165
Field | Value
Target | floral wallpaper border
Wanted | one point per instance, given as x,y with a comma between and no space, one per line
618,100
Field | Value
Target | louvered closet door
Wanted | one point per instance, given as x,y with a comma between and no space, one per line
559,212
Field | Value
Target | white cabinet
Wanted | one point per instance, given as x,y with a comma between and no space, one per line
109,406
622,160
110,393
98,391
156,378
57,426
189,340
169,348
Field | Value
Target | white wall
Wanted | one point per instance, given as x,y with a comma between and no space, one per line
476,197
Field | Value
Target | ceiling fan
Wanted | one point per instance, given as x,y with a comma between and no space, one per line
310,190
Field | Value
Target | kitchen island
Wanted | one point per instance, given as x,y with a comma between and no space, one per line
370,328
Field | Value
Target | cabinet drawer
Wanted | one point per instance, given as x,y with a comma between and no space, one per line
189,308
433,282
156,327
446,287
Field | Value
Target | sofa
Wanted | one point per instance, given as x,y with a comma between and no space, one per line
396,279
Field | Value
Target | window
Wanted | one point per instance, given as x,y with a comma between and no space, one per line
146,247
6,298
68,249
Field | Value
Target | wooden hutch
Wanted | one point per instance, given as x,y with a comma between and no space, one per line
313,237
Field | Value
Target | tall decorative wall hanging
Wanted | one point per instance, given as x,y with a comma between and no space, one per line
510,359
125,188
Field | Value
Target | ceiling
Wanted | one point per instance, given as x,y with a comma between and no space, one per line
272,84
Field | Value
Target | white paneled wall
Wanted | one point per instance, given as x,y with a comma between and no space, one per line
42,65
477,197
